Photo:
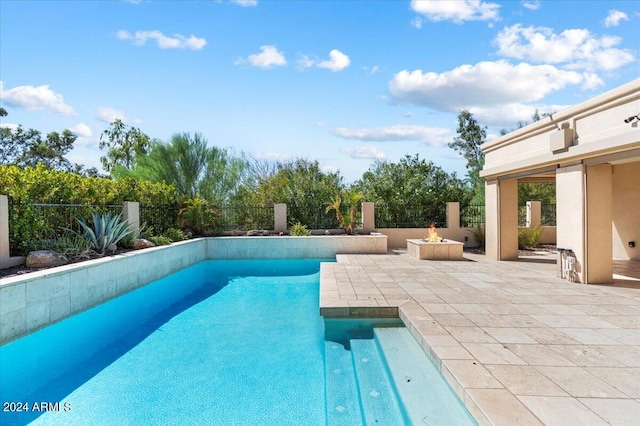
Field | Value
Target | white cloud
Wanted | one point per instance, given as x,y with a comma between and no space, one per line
369,152
177,41
109,115
574,48
456,11
11,126
270,156
483,84
245,3
416,22
430,135
371,70
531,4
269,57
337,61
82,130
614,18
32,98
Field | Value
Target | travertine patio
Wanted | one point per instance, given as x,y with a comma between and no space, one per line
518,345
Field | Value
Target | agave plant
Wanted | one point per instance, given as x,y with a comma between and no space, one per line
107,230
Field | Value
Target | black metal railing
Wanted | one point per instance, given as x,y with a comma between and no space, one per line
245,218
159,217
410,216
30,222
548,213
472,215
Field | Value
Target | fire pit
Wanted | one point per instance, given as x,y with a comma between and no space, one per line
434,247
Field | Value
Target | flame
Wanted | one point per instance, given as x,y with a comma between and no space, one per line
432,235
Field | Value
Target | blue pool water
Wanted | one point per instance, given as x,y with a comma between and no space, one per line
222,342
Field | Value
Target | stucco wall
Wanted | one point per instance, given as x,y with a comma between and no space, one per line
626,210
398,236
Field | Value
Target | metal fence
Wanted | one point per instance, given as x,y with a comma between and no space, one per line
410,216
548,213
30,222
472,215
245,218
159,217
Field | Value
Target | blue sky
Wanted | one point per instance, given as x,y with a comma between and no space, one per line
341,82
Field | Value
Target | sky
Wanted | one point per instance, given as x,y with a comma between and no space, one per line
341,82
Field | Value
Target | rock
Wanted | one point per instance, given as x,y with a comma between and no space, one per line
141,243
45,259
258,233
111,248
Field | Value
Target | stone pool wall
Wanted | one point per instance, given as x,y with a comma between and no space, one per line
33,301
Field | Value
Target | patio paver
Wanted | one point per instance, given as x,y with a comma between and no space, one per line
517,344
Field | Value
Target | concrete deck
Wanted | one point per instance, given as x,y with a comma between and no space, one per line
517,344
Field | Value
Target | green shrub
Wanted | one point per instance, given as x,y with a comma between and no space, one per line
529,237
299,230
160,240
175,235
43,185
200,216
478,234
106,231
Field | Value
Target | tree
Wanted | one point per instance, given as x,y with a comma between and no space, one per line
25,148
124,144
299,183
408,191
470,136
193,167
3,112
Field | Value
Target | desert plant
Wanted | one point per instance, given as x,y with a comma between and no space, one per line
299,230
199,216
175,235
160,240
529,237
106,231
71,245
478,234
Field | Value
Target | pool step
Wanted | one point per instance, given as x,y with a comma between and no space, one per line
343,399
425,394
378,399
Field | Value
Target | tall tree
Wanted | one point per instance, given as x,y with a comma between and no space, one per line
193,167
124,143
406,190
470,136
301,184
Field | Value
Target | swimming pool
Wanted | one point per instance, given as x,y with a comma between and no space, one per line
222,342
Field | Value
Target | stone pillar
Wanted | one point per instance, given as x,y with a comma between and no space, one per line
534,214
4,228
453,215
570,215
599,253
501,227
131,213
280,217
6,261
368,216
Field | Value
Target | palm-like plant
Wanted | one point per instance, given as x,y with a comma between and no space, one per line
346,222
107,230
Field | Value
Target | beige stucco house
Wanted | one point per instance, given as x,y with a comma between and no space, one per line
592,152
